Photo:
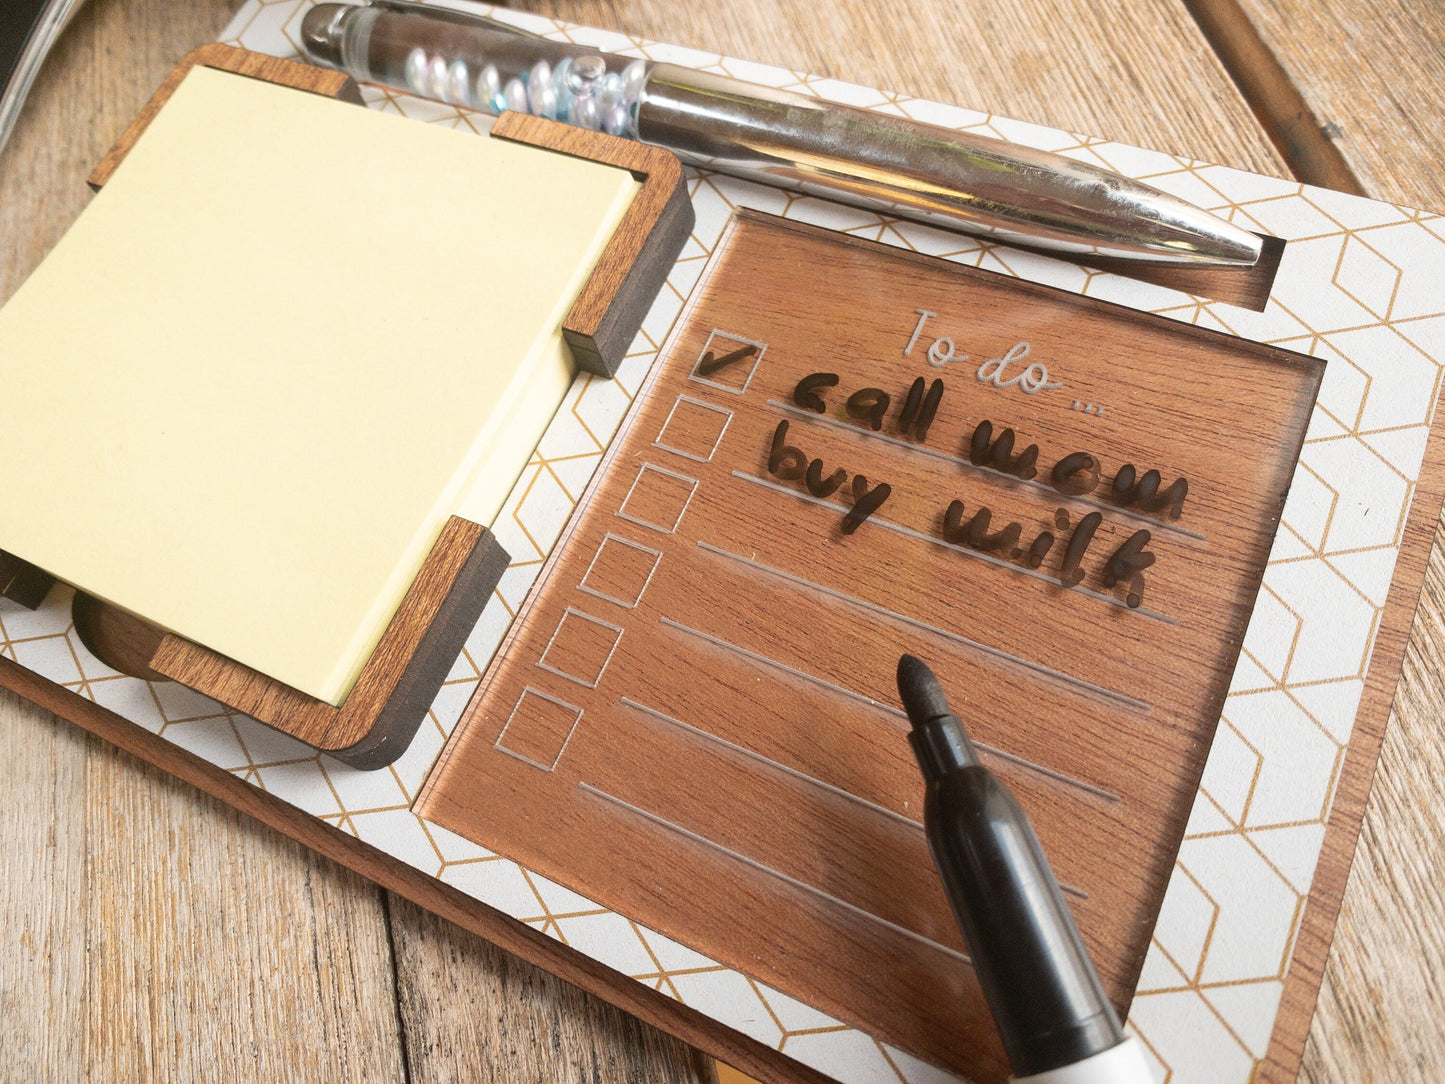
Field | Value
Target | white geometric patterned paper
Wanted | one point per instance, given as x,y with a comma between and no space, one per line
1359,286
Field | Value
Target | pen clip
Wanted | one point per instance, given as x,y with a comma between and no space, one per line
448,15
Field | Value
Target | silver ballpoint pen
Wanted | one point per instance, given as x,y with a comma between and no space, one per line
885,163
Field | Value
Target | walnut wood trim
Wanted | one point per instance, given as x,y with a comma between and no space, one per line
614,301
389,700
119,639
289,73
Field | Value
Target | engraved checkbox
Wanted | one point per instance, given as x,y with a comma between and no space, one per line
727,363
657,498
539,729
581,648
620,571
693,429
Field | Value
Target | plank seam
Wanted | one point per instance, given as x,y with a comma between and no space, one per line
1270,92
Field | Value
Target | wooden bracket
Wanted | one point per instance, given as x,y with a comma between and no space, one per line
632,268
391,696
613,301
379,717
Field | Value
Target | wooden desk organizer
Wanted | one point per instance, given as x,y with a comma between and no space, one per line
380,715
1253,898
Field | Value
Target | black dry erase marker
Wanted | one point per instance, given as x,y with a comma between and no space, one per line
1057,1026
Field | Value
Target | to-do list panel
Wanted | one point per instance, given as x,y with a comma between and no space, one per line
845,453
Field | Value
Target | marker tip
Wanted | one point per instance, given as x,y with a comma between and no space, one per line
920,692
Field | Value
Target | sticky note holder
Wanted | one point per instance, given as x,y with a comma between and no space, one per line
375,722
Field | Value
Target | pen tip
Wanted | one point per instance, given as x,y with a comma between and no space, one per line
920,692
321,34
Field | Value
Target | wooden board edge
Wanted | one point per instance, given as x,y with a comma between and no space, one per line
440,607
1306,968
288,73
432,659
636,261
651,1006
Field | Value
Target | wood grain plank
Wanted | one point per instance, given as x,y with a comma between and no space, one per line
442,900
539,1027
145,926
1276,100
43,838
1372,73
222,909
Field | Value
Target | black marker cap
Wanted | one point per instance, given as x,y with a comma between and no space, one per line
1040,984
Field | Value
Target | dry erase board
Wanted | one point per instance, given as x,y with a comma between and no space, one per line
845,453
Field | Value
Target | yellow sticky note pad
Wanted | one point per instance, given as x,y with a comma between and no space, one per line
284,343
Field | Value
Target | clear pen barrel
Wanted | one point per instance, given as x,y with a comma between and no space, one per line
471,65
889,164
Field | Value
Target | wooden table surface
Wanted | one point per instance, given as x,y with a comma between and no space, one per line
149,932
